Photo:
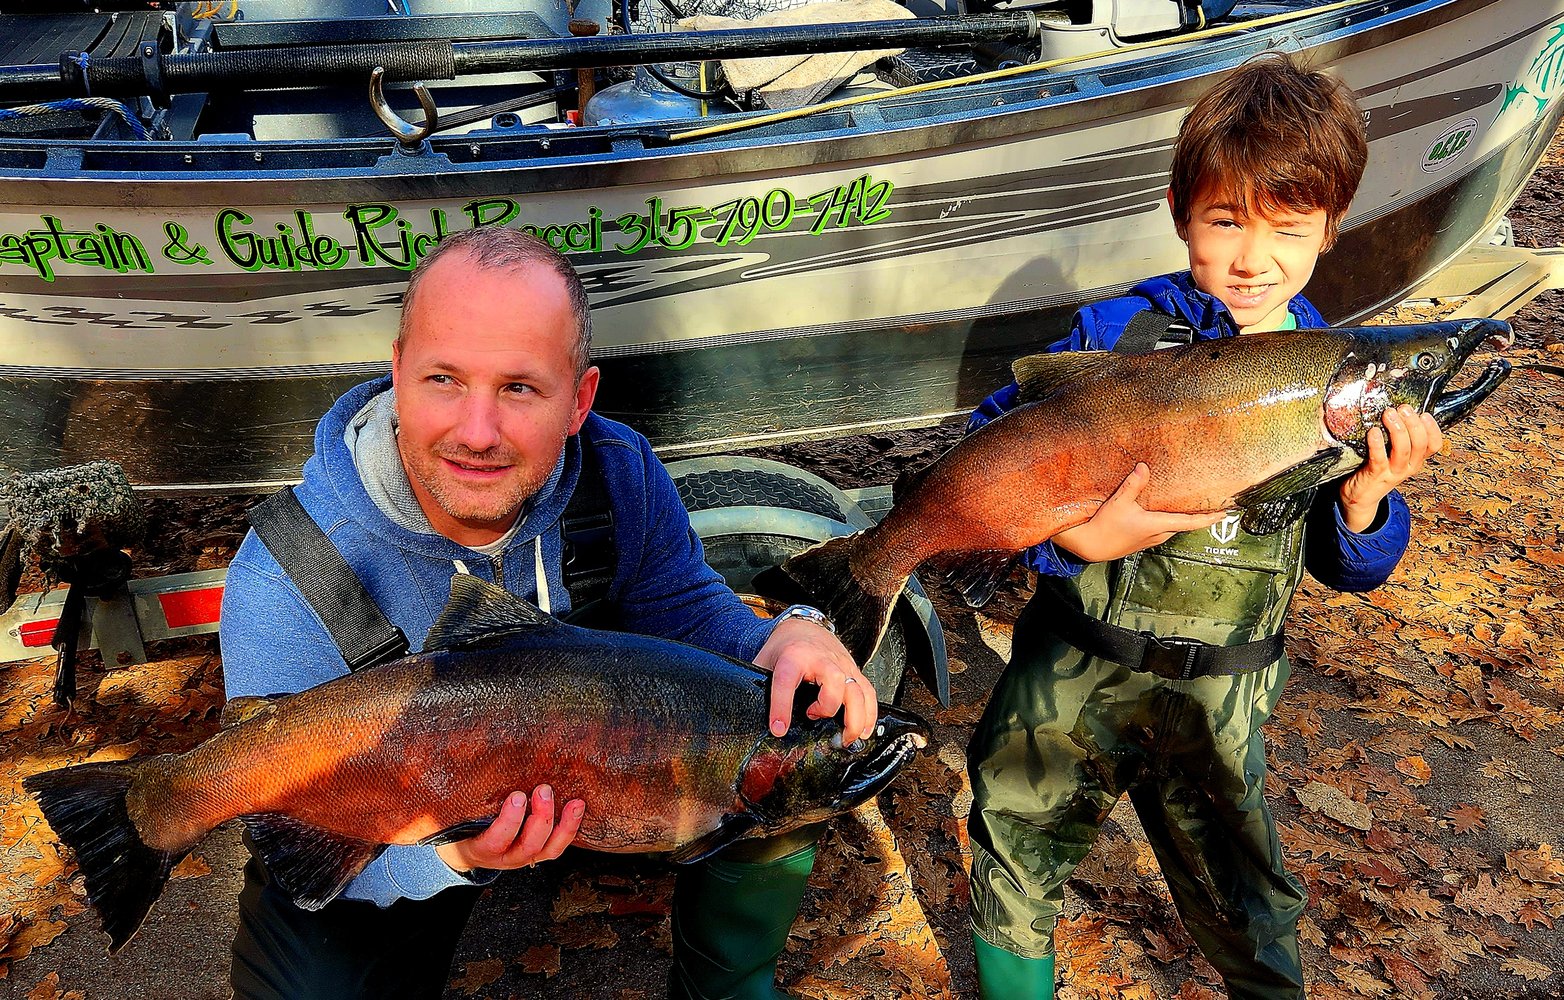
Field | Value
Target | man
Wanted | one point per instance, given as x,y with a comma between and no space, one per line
464,460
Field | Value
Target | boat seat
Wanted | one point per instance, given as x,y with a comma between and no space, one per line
32,39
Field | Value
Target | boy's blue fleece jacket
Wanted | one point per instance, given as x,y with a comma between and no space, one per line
1333,554
273,643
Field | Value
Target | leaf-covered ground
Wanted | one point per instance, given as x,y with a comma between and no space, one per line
1416,759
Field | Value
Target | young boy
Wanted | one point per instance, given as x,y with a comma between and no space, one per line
1174,658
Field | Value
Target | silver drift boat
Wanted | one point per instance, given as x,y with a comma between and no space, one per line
207,213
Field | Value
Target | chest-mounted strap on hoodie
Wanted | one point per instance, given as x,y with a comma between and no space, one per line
363,634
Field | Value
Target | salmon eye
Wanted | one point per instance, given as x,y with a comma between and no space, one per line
1425,361
856,746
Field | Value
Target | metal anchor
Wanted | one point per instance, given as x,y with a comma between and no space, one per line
410,138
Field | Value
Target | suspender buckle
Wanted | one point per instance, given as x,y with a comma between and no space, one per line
1171,656
393,646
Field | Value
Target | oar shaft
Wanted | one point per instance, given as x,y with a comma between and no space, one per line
304,66
739,43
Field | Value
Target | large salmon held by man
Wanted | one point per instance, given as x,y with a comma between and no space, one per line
666,744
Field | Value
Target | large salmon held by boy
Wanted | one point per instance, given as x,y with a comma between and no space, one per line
1251,422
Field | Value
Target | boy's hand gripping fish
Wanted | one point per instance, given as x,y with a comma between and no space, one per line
1250,422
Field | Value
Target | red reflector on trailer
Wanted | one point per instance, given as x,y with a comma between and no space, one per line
183,608
34,634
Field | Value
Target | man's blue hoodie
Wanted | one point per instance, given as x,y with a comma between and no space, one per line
273,643
1333,554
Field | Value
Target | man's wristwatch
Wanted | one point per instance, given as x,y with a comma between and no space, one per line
807,613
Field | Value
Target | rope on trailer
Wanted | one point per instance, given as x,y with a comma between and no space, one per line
79,104
210,8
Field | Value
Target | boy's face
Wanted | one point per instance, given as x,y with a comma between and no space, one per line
1254,264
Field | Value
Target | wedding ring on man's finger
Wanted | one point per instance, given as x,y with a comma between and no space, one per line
851,680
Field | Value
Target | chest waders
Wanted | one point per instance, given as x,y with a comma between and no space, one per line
731,913
1150,676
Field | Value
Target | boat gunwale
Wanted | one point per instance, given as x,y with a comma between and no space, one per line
1165,77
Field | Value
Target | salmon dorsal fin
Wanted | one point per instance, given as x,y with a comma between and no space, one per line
1039,375
245,707
479,612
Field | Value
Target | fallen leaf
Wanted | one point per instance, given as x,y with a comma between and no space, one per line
193,866
1362,982
578,934
1330,800
47,989
478,974
1415,768
1527,969
1466,817
542,958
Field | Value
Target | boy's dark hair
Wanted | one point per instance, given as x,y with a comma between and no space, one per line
500,248
1273,137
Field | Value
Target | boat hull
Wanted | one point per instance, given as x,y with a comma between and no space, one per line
873,270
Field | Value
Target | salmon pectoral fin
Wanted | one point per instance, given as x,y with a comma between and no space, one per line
461,831
85,805
734,826
310,864
1269,518
977,574
1286,487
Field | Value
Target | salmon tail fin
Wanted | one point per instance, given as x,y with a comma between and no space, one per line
311,865
978,574
860,616
86,807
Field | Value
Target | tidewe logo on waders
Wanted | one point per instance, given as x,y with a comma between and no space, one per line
1226,530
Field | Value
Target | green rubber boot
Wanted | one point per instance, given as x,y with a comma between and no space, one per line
730,924
1004,975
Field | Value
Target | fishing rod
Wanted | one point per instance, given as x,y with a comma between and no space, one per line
158,74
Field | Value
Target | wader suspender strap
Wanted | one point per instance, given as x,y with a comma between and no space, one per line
1149,329
587,527
1166,656
356,624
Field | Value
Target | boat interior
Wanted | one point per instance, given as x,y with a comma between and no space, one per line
38,34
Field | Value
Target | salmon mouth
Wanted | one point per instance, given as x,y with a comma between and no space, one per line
1451,407
1464,338
905,734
